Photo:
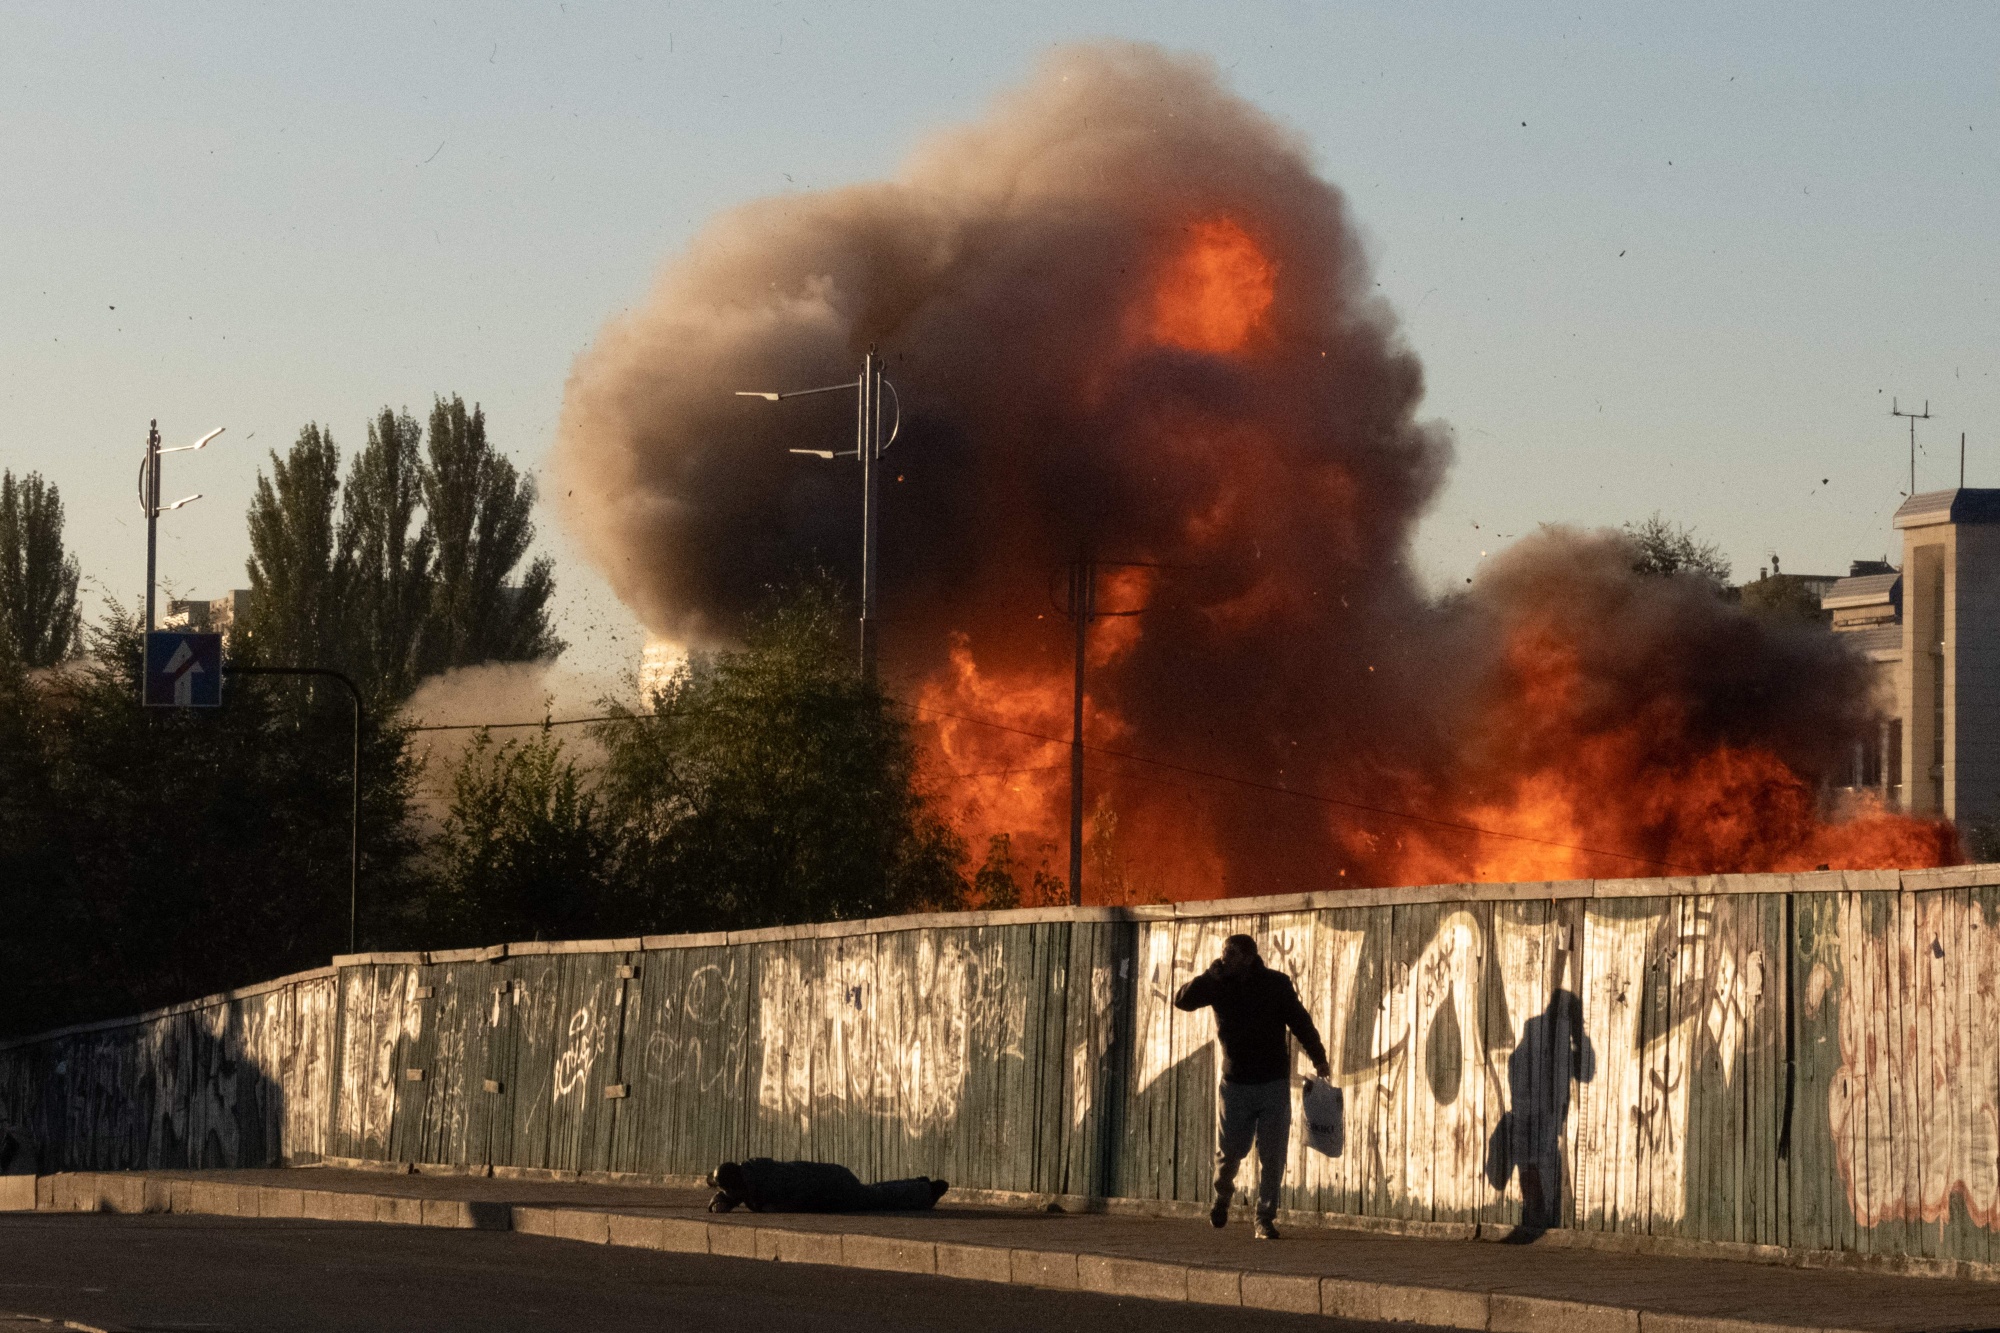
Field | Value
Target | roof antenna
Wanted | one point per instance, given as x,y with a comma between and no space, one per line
1896,410
1961,460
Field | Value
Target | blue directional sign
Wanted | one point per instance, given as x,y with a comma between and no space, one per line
183,670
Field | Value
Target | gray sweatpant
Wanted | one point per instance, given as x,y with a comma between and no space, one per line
1262,1111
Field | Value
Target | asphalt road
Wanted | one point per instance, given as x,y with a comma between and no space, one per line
228,1275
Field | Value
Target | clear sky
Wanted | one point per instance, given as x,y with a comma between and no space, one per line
1653,257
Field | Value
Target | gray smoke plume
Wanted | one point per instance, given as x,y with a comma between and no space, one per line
1122,313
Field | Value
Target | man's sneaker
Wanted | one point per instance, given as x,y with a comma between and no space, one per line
1218,1215
1265,1231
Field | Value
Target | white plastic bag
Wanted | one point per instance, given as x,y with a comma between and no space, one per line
1326,1118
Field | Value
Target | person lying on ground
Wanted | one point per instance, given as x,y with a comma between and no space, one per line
765,1186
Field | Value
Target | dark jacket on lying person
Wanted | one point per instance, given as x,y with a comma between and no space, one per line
1253,1007
765,1186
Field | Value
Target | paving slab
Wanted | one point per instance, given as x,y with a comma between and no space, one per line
1362,1275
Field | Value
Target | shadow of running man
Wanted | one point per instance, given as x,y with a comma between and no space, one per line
1554,1052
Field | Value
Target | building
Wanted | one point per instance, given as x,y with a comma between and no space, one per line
1868,604
218,616
1932,628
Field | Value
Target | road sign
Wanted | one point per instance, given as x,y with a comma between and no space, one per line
183,670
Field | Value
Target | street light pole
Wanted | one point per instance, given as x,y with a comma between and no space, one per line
149,500
869,446
354,782
867,432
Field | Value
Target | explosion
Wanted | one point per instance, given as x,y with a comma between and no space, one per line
1126,319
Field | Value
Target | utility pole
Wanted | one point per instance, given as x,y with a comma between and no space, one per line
869,446
1082,606
1895,410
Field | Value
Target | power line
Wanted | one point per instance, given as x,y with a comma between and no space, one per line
1005,772
545,722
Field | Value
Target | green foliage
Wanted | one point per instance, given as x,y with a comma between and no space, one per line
1782,597
1663,548
39,621
152,855
774,785
1006,879
149,855
477,511
524,852
297,580
415,578
391,565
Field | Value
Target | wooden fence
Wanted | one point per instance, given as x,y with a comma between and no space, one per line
1807,1061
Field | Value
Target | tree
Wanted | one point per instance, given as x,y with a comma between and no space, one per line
150,855
391,567
1782,597
1663,548
774,785
524,851
1006,880
478,515
40,624
297,578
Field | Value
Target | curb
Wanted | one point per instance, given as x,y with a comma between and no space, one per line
1061,1270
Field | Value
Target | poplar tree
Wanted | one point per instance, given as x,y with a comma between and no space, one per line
477,512
297,577
392,565
40,624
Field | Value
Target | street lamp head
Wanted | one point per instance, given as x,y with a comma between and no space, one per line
184,448
759,393
827,454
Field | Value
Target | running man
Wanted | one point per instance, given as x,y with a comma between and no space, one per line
1253,1007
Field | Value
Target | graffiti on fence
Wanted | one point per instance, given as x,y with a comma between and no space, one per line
1915,1105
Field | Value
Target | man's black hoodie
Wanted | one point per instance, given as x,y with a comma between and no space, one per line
1252,1010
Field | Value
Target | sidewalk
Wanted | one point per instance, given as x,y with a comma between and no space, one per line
1356,1275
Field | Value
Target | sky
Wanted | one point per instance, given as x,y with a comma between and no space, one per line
1654,258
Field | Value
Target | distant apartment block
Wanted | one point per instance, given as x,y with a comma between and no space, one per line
217,616
1932,629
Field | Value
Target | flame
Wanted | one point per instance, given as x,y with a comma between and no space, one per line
1633,798
1215,294
1000,779
1560,791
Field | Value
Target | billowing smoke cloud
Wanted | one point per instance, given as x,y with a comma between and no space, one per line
466,697
1124,315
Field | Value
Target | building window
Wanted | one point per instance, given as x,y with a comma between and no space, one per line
1937,692
1892,760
